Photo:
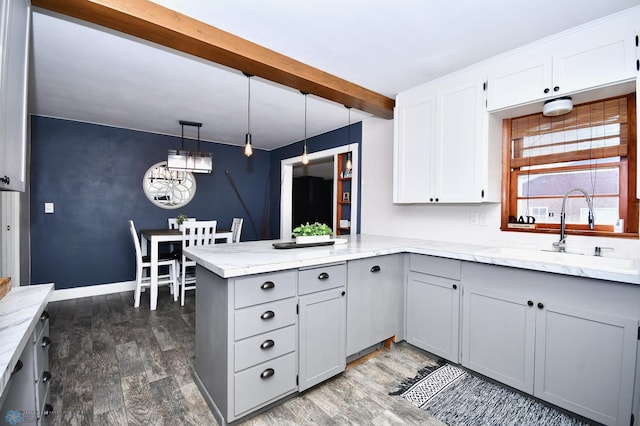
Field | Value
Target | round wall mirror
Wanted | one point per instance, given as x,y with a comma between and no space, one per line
169,189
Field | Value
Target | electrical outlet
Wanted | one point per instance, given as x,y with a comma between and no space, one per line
48,207
475,219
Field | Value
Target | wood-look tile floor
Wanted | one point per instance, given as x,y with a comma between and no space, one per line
115,364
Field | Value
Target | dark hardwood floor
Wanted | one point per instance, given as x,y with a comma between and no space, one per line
114,364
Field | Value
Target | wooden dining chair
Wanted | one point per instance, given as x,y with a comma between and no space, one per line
143,270
194,233
236,229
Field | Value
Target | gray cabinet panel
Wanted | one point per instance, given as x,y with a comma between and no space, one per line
264,347
264,383
266,317
262,288
433,314
322,339
374,300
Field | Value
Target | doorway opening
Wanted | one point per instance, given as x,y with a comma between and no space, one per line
312,192
320,165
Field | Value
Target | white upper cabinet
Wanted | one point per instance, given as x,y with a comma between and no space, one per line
592,56
441,143
15,18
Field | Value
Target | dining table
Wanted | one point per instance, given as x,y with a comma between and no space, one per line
153,238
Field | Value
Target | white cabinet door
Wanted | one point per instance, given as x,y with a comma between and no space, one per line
322,337
374,302
414,142
498,336
576,349
433,312
440,146
598,56
461,169
519,79
15,22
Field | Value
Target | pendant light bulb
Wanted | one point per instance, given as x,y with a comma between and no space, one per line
248,148
349,165
305,155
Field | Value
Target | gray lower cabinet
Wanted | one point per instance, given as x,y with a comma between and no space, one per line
433,305
322,323
27,394
566,340
246,341
375,289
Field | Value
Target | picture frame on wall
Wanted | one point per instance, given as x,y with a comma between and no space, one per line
346,197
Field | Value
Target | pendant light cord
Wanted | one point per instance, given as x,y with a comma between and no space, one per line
249,104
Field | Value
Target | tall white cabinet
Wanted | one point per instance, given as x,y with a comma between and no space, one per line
15,23
441,145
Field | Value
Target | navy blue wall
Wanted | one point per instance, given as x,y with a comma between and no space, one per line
321,142
93,175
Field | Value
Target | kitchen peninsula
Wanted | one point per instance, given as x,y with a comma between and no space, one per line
270,323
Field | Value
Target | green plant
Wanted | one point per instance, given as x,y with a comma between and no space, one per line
307,230
181,218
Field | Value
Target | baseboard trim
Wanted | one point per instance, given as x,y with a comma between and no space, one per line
91,290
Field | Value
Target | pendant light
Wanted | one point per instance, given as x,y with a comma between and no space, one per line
190,161
349,165
305,155
248,148
558,106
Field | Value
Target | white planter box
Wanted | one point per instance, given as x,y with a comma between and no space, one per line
312,239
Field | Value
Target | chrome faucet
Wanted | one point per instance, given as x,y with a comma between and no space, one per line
562,244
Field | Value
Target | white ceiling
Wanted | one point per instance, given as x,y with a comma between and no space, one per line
87,73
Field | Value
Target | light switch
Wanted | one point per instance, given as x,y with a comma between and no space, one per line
48,207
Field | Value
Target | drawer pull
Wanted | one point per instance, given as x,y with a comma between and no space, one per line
268,315
48,409
375,268
17,368
267,285
44,316
267,344
46,376
267,373
46,341
323,276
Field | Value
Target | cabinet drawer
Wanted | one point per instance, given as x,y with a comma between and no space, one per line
264,347
438,266
264,288
322,278
264,383
42,326
266,317
42,388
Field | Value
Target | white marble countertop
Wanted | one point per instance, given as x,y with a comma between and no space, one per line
20,311
233,260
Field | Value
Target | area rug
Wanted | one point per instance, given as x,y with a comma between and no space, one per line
457,397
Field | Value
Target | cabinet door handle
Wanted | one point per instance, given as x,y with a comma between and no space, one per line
267,285
267,373
44,316
530,302
540,306
267,344
546,90
17,368
48,409
455,286
323,276
375,268
556,88
268,315
6,180
46,376
46,341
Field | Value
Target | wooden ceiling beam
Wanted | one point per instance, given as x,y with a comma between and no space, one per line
155,23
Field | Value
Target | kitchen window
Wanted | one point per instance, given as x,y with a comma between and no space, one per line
594,148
